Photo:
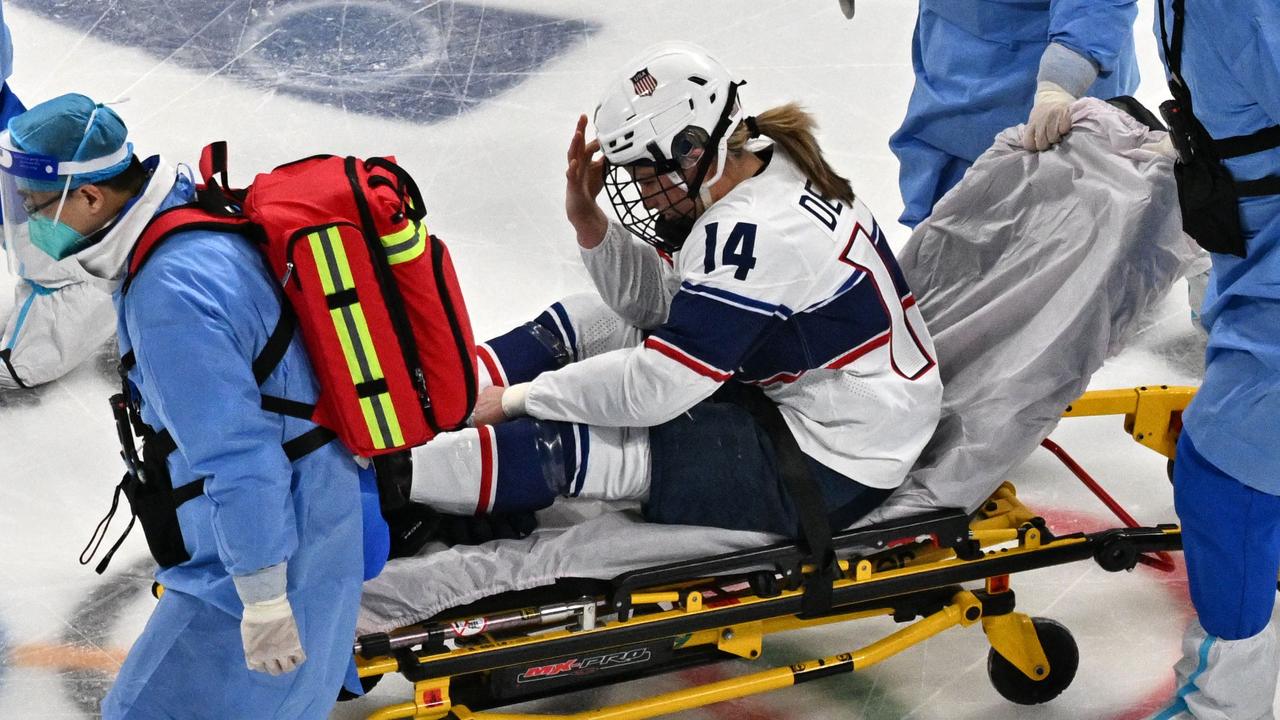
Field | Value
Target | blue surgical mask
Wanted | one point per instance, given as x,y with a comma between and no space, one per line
54,237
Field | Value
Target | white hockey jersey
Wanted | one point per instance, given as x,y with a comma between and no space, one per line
777,287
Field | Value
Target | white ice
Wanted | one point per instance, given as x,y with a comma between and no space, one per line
493,182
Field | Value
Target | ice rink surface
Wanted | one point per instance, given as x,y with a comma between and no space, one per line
478,100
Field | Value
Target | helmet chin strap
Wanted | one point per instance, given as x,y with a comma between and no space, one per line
720,135
704,190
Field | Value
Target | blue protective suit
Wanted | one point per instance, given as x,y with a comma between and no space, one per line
197,314
975,64
10,105
1231,61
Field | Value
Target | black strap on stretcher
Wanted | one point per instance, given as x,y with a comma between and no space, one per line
793,467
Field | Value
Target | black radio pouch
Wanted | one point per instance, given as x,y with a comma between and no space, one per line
155,503
147,488
1206,190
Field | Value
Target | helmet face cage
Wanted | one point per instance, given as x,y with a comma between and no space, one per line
664,227
693,150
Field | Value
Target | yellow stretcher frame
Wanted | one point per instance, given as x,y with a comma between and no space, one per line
1004,538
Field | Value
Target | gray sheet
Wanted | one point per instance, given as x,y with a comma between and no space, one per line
1030,273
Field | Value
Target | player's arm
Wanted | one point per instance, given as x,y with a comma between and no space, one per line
630,276
728,301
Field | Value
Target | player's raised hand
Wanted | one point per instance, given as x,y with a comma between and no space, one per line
584,178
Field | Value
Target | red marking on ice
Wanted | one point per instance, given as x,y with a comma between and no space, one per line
739,709
1064,522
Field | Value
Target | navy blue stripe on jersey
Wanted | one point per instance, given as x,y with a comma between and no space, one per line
521,473
518,355
583,436
710,331
830,334
556,320
740,301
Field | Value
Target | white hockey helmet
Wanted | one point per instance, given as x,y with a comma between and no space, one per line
672,108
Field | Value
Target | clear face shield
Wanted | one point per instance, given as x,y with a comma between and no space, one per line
36,192
29,187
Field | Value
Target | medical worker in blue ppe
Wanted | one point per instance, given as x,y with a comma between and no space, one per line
1227,469
985,65
258,622
10,105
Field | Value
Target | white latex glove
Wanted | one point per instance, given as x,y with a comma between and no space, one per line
1050,117
270,637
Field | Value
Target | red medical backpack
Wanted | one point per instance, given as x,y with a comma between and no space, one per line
374,294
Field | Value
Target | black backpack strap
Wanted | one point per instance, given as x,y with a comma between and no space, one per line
308,442
1267,138
793,467
1269,185
1240,145
277,343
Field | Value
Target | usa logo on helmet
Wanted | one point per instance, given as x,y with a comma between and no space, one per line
644,83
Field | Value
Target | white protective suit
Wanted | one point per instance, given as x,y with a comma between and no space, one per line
61,314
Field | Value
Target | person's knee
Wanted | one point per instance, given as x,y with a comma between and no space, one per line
587,326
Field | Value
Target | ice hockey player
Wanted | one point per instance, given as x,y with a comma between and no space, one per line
747,304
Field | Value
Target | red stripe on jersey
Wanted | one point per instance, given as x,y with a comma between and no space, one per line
486,469
866,347
909,303
841,361
491,365
686,360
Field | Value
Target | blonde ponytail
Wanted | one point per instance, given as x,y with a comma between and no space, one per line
792,129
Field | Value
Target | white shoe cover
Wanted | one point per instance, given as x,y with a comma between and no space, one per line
1224,679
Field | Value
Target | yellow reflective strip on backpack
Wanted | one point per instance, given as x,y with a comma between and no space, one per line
366,407
352,328
365,341
322,265
397,436
388,434
406,244
409,230
348,351
340,259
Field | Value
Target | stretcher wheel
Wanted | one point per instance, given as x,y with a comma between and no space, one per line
1063,655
